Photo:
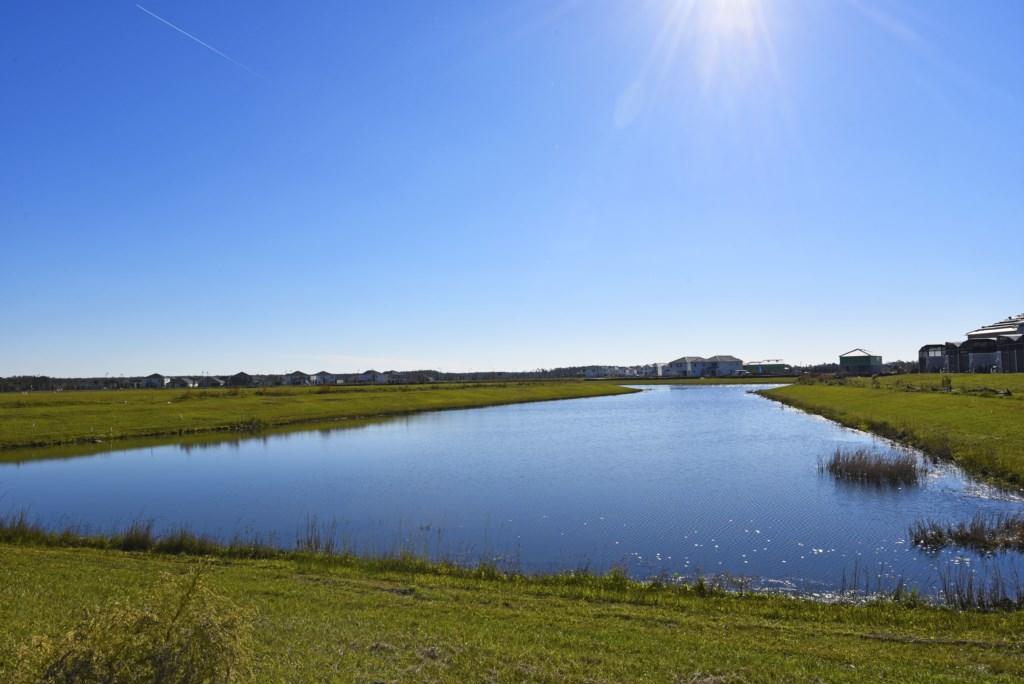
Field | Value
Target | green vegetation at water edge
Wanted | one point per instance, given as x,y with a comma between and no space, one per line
979,384
54,418
982,432
318,619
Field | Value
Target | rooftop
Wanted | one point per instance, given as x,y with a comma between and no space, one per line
1007,326
857,352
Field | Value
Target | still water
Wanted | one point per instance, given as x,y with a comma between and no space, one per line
677,480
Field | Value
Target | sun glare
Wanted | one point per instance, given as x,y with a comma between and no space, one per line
729,19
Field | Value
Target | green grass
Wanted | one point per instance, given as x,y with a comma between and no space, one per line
983,434
959,382
41,419
356,621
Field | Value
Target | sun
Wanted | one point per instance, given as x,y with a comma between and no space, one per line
730,19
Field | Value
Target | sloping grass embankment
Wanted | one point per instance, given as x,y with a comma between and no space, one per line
41,419
320,620
982,434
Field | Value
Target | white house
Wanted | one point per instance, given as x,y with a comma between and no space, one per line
685,367
325,378
699,367
723,365
372,377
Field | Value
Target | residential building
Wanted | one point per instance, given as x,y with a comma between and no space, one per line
371,377
297,378
931,358
698,366
155,380
995,348
768,367
325,378
240,379
860,362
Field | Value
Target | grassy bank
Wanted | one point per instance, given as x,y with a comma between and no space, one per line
318,620
980,430
41,419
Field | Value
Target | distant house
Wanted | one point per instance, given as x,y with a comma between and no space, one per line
685,367
240,379
181,382
860,362
325,378
593,372
998,348
297,378
155,381
723,365
699,367
1011,351
768,367
210,381
652,370
931,358
371,377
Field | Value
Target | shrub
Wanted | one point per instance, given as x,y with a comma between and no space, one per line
182,633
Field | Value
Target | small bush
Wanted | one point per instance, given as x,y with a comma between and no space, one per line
182,633
861,465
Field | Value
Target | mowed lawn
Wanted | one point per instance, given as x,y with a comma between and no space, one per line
52,418
982,433
319,622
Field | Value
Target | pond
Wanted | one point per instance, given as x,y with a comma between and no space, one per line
676,480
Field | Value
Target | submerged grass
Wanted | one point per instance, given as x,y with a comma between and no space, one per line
985,532
864,465
964,589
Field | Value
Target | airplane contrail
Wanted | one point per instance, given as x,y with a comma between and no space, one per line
186,33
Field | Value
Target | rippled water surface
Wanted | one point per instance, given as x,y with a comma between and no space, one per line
672,479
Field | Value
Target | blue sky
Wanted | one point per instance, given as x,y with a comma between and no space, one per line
470,185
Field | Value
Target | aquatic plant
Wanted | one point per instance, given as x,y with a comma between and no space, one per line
863,465
985,532
964,589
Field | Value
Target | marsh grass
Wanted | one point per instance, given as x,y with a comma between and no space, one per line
963,589
985,532
863,465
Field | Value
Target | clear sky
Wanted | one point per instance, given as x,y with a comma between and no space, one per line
205,185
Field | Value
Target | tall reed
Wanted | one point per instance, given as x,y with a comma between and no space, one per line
863,465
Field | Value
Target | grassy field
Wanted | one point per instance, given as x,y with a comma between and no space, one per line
362,621
978,429
59,418
960,383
